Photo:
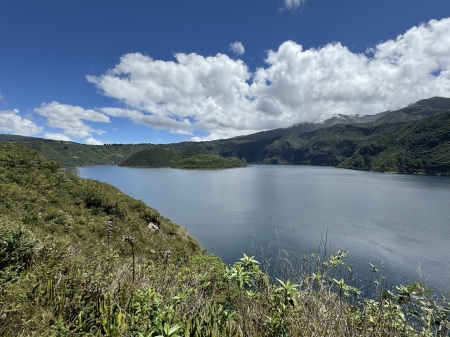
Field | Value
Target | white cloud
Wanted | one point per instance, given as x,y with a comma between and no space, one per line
154,121
293,4
12,122
195,92
181,132
57,136
220,96
70,119
237,48
93,141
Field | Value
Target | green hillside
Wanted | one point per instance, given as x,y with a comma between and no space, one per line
345,141
58,255
154,157
164,155
334,141
80,258
210,161
74,154
417,147
183,155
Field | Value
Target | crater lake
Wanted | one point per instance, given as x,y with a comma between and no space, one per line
400,223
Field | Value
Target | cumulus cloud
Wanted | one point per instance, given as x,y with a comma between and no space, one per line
71,119
12,122
155,121
219,96
237,48
293,4
193,92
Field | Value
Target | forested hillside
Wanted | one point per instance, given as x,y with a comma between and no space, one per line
418,147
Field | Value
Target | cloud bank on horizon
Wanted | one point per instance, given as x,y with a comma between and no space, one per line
220,97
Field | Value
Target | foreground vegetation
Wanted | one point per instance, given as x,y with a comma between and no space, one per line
80,258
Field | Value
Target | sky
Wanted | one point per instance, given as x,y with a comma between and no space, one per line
165,71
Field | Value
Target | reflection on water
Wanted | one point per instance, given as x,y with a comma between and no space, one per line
399,222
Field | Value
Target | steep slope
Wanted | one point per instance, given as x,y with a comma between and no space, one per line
41,196
422,146
66,244
335,140
328,146
326,143
416,111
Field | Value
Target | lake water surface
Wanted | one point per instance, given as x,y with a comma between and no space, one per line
401,223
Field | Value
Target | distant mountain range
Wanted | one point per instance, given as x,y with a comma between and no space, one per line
414,139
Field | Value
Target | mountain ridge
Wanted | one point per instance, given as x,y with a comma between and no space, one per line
333,142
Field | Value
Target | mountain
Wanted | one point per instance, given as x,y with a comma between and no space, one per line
359,142
421,146
416,111
326,143
74,154
335,141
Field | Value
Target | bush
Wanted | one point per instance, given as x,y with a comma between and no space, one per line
17,247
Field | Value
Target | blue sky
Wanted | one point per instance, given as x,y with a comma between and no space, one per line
159,71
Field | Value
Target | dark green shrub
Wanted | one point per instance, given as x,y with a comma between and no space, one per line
17,247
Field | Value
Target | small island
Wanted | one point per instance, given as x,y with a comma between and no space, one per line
192,157
209,161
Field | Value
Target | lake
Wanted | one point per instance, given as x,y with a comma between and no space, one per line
401,223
